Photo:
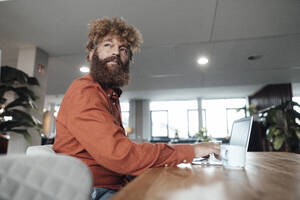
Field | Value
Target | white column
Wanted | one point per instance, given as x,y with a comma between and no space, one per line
26,60
146,120
131,121
29,59
139,119
200,120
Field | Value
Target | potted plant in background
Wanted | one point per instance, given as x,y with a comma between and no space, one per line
282,124
15,114
202,136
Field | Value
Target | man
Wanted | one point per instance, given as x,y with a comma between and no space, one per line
89,125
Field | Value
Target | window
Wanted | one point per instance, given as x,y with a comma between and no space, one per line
159,123
125,118
176,117
56,109
233,114
220,113
125,113
297,100
193,122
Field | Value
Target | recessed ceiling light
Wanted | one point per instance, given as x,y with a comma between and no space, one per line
255,57
84,69
166,75
202,60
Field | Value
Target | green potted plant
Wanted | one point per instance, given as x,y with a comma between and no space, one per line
282,124
15,114
202,136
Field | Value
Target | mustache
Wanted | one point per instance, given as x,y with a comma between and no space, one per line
116,59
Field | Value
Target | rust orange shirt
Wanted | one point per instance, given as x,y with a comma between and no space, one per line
89,127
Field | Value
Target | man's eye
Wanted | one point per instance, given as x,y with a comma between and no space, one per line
124,50
107,45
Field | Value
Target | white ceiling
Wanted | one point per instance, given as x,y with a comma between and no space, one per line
175,34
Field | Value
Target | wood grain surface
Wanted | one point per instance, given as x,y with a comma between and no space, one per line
267,175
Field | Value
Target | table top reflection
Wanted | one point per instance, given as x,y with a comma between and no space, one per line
267,175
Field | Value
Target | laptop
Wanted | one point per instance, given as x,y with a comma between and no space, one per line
240,135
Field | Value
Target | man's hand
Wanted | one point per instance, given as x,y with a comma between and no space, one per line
205,148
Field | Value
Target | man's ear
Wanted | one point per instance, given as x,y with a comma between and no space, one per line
91,54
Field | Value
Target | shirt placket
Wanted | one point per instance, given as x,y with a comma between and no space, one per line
114,101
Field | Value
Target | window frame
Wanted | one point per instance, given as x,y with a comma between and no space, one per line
151,123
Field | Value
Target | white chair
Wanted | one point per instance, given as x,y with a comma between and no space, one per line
48,177
41,149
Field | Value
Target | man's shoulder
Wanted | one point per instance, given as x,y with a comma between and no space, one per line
84,83
84,80
83,87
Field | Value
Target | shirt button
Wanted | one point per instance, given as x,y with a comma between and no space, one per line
114,103
108,95
184,161
166,165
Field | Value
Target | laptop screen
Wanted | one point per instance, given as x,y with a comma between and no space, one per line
240,132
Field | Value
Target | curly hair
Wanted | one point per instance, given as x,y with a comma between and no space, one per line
101,27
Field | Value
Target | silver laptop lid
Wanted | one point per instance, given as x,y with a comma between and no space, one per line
240,132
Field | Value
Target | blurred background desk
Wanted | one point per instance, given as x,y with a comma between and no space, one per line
268,175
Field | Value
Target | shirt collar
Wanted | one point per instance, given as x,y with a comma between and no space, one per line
113,93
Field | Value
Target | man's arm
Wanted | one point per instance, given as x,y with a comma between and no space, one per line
94,127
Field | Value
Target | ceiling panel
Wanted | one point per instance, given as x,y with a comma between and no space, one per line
276,52
256,18
60,27
171,21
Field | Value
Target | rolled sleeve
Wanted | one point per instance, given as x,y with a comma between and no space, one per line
185,152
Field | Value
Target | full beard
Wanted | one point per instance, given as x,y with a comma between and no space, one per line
115,76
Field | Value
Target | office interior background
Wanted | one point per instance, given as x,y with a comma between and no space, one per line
172,93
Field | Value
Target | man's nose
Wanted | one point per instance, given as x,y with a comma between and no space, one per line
115,50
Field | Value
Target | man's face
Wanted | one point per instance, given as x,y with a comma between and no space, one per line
113,45
110,62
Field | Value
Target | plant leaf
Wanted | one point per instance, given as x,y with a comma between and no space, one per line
293,103
10,75
21,102
33,81
8,125
278,142
21,117
25,92
18,102
274,130
295,114
2,100
4,88
298,133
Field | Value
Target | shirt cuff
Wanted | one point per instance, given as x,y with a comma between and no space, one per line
185,152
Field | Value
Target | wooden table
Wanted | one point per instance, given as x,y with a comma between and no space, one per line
267,175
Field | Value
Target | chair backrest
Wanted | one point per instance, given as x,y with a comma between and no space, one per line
41,149
47,177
